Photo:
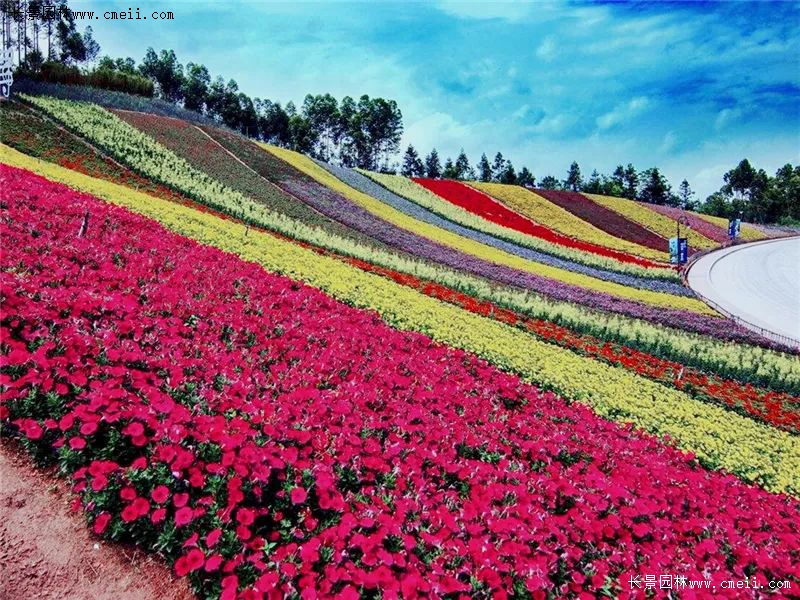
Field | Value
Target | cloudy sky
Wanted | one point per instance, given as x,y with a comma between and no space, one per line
689,87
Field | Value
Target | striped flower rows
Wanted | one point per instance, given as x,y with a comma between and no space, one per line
367,186
603,218
719,438
664,226
342,468
471,256
559,246
487,207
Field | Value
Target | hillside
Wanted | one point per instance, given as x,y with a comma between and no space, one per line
394,385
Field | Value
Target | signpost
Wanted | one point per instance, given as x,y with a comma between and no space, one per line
678,250
6,73
734,228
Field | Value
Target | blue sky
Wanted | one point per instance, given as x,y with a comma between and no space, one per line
690,87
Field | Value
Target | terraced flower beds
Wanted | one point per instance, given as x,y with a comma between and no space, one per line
663,225
25,130
487,207
489,260
420,195
367,186
248,428
720,439
605,219
204,153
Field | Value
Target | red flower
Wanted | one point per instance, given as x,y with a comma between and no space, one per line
298,495
101,523
160,494
183,516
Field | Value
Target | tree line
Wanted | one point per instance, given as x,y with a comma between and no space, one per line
747,193
363,133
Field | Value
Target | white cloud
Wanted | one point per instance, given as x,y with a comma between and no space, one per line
622,111
547,49
725,116
487,9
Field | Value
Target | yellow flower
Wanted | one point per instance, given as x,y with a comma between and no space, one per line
544,212
488,253
655,222
721,439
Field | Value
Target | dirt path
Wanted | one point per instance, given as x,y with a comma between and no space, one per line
47,551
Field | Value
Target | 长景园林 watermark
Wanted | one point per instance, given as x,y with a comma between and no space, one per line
51,12
681,582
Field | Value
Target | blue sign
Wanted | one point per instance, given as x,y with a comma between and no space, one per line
678,250
734,228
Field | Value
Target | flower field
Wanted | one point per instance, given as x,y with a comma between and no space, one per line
561,247
542,211
483,205
423,231
664,226
242,480
603,218
288,378
714,228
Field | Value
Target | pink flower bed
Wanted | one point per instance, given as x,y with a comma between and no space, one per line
701,226
271,441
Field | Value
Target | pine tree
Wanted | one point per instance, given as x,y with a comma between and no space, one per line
685,194
594,185
549,183
574,181
484,169
433,166
463,170
449,171
509,175
630,182
412,165
525,178
498,167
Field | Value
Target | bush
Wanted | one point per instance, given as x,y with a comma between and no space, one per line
56,72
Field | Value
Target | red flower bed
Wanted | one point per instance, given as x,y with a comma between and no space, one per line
270,441
778,409
492,210
605,219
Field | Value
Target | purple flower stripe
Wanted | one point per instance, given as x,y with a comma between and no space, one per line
701,226
337,207
367,186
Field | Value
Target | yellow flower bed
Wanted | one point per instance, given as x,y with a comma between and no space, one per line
418,194
656,222
488,253
544,212
751,234
721,439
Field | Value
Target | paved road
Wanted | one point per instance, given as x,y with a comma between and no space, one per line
758,282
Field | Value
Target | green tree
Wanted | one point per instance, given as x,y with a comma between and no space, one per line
165,70
449,171
509,175
433,166
195,86
498,166
574,181
484,169
630,182
549,182
462,168
322,113
655,188
594,185
686,196
412,164
525,178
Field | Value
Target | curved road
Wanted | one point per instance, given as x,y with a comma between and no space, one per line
758,282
